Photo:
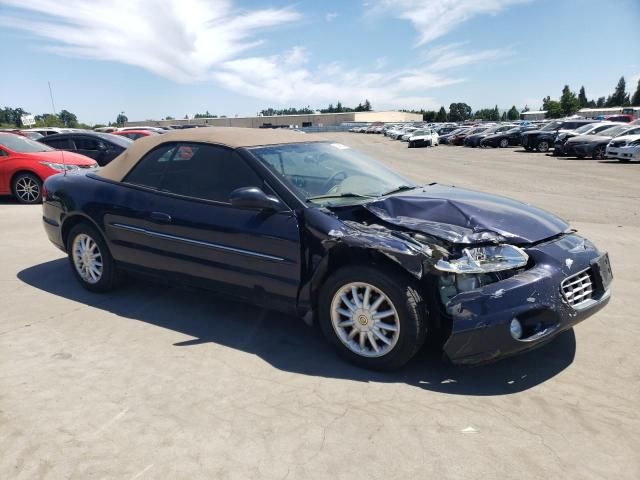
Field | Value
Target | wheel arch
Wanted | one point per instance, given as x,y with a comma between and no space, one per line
74,219
21,171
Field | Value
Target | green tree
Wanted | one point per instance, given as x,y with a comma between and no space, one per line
503,117
582,98
601,102
635,100
525,109
429,115
121,119
620,97
68,119
367,106
459,112
553,108
513,113
568,101
442,115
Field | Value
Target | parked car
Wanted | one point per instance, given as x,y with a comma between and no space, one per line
25,164
318,230
45,131
543,139
423,138
458,139
625,148
624,118
25,133
445,139
102,147
408,133
506,138
595,146
475,139
135,134
588,129
151,129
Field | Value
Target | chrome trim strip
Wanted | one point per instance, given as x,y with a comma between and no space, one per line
198,243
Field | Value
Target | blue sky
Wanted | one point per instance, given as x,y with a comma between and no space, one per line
156,58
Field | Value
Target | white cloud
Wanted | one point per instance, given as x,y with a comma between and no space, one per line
330,17
177,39
197,40
435,18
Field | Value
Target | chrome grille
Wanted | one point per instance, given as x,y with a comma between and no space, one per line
578,288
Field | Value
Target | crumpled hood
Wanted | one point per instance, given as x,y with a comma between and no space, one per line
463,216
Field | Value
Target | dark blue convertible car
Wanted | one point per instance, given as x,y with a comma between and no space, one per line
315,229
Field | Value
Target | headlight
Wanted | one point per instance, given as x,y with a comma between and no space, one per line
61,167
485,259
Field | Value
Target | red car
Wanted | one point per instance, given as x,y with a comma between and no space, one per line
134,134
25,164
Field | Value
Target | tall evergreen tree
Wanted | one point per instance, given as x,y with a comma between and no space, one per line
601,102
568,101
620,97
582,97
442,115
513,113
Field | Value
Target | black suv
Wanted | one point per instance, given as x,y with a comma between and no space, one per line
542,140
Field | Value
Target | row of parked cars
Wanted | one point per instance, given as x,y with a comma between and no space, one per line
573,137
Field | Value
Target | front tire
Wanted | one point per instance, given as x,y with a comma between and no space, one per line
27,188
377,320
598,152
90,259
504,143
543,146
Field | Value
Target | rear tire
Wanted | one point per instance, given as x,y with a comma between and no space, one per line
27,188
354,329
504,143
90,259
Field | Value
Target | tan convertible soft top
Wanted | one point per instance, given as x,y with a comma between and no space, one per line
118,168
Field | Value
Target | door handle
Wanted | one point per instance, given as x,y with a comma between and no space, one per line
160,217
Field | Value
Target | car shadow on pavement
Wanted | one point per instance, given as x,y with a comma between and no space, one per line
287,343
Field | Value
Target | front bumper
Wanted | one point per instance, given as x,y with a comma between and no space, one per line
481,318
582,149
630,152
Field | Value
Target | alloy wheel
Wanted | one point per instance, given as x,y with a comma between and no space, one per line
504,143
27,189
543,146
87,258
365,320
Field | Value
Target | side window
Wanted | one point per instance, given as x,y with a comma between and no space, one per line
58,143
150,170
207,171
83,143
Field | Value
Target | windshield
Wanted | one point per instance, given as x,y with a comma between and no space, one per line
614,131
19,144
119,140
331,170
550,126
473,131
584,128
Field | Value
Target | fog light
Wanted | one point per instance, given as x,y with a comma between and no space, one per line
516,329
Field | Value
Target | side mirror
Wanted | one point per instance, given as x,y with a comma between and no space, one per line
253,197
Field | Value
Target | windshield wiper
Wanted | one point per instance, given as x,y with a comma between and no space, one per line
401,188
340,195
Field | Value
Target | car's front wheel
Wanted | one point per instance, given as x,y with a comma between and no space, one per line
504,143
90,259
27,188
598,152
375,319
543,146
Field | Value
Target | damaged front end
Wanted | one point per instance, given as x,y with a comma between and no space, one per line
493,291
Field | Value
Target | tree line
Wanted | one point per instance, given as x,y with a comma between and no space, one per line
338,108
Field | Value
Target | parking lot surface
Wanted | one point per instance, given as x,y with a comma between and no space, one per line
157,382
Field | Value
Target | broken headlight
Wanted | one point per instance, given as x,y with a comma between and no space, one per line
485,260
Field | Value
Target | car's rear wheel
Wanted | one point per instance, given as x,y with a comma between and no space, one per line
90,259
376,320
27,188
598,152
504,143
543,146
